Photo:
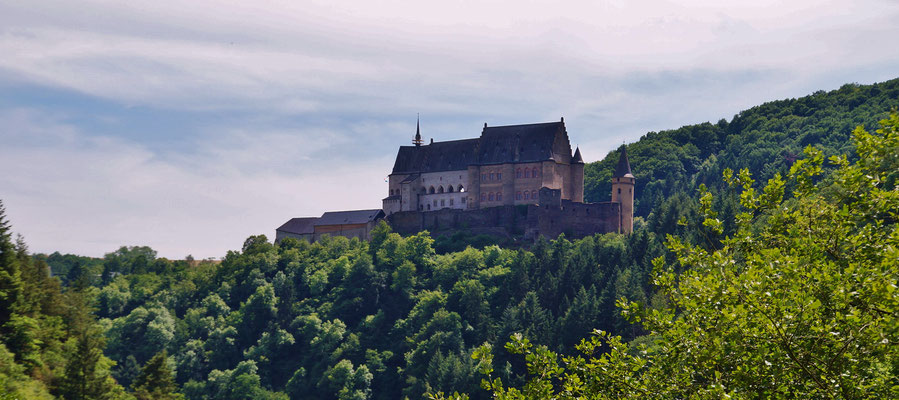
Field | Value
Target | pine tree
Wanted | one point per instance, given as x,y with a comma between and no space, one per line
10,276
156,380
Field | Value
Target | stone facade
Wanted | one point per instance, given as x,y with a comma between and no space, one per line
518,179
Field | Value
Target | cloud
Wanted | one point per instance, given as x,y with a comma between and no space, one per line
89,195
189,125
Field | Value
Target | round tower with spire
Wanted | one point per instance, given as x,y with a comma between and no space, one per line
577,176
623,191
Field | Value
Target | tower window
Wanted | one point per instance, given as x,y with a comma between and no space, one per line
483,177
492,176
499,197
527,173
499,176
518,173
440,189
619,190
451,201
490,197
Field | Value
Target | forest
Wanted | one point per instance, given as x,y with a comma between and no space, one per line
763,264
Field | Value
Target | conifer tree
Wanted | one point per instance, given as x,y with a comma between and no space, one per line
10,276
156,380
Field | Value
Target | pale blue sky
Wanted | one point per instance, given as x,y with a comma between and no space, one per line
188,126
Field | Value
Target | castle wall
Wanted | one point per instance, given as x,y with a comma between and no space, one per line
576,220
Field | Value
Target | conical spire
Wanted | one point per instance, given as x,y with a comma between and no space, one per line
417,140
577,159
624,166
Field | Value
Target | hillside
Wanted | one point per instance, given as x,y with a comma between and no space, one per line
765,139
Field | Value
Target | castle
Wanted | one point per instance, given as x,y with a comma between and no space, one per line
515,180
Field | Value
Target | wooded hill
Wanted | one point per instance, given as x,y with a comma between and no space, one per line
393,318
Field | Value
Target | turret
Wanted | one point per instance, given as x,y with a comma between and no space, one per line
577,177
623,191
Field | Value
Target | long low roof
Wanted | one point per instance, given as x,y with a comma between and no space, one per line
306,225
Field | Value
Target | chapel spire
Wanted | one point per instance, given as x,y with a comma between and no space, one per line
417,141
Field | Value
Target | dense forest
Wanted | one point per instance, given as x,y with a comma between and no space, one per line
416,316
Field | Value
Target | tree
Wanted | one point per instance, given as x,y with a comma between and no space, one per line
156,380
10,274
801,302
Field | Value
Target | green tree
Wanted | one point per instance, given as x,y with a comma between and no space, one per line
801,302
10,274
156,380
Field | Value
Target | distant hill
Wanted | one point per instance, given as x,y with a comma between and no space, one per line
765,139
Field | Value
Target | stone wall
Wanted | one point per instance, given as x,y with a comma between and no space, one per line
549,219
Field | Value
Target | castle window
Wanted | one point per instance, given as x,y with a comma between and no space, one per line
442,203
535,174
518,173
499,197
534,194
449,189
440,189
492,176
619,190
461,189
483,177
490,197
451,201
527,173
527,195
429,207
435,203
483,196
431,190
463,200
518,196
499,176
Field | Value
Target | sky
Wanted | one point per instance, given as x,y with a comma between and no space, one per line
189,126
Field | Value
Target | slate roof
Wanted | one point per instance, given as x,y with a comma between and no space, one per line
623,168
435,157
349,217
299,226
518,143
497,145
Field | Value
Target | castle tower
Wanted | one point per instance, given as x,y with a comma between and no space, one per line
623,191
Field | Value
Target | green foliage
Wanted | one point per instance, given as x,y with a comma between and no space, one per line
800,302
156,381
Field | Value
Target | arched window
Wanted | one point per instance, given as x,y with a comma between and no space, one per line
492,176
490,196
440,189
527,173
461,189
535,174
431,190
483,196
527,195
534,194
499,176
499,197
449,189
518,173
518,196
483,177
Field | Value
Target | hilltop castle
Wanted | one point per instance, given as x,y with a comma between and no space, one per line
516,180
